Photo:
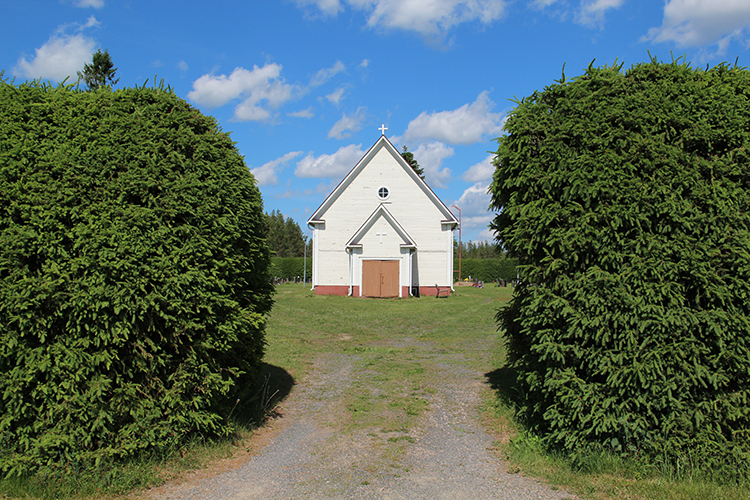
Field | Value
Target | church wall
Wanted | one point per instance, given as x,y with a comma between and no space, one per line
333,268
409,204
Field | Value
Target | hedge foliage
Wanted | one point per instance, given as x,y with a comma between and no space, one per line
487,270
133,275
289,268
625,197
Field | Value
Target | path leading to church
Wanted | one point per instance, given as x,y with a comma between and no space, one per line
310,451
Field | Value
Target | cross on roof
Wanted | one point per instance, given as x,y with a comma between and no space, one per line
383,128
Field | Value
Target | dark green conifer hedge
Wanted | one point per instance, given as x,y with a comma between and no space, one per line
133,275
289,268
487,270
625,197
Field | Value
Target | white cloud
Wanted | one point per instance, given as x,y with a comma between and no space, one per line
336,165
474,203
694,23
327,7
487,234
348,124
96,4
61,57
261,90
325,188
266,174
365,63
91,22
482,171
289,193
326,74
468,124
430,157
541,4
304,113
247,112
275,94
261,85
592,11
182,66
215,91
426,17
337,96
589,13
430,17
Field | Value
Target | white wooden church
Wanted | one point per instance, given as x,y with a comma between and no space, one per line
382,232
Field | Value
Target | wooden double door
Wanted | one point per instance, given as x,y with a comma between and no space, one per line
380,278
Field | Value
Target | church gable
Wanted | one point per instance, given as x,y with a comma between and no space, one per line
381,176
381,227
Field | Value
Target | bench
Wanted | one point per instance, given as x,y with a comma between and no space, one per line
446,291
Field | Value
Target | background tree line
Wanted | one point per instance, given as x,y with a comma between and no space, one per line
284,236
479,250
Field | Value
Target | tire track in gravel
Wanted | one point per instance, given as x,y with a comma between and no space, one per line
448,456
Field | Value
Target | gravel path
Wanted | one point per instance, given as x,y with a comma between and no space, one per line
308,456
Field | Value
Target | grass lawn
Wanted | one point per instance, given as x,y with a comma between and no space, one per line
398,344
304,326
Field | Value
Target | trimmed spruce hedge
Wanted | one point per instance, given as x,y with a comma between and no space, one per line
487,270
133,276
625,197
289,268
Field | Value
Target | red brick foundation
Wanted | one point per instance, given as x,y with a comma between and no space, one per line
342,290
430,291
334,290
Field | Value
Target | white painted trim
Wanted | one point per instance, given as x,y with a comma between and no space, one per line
449,254
315,259
351,272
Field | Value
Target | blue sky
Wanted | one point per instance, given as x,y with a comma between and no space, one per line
304,85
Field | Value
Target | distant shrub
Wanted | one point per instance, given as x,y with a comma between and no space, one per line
487,270
133,275
289,268
625,197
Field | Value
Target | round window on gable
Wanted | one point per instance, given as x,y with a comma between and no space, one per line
383,193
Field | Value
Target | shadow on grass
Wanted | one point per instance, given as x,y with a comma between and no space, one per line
271,387
504,382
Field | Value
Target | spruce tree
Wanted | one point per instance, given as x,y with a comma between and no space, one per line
100,72
409,157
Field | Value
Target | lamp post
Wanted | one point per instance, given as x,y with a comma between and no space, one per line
459,242
304,265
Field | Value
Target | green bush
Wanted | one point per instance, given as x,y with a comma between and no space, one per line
133,275
289,268
487,270
625,197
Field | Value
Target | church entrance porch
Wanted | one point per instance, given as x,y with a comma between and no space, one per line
380,278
